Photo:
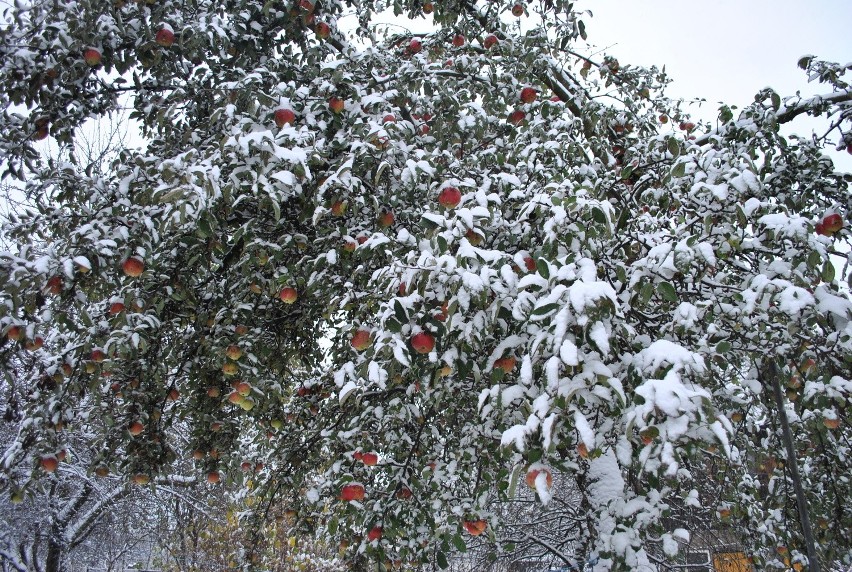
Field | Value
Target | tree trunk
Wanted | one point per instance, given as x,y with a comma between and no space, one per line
53,559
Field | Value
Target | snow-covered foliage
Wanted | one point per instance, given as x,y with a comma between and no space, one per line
283,269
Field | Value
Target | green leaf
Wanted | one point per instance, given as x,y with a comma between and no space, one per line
394,326
546,309
776,101
742,220
543,268
442,560
828,272
646,292
667,291
598,215
674,147
723,347
332,526
399,312
459,543
679,170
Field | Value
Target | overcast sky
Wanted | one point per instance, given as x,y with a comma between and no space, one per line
724,50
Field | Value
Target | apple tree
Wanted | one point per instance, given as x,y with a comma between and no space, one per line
405,272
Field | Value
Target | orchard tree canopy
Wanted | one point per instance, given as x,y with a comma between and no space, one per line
403,273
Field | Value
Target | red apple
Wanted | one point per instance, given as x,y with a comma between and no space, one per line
92,57
234,352
243,388
582,450
528,94
389,118
529,263
213,477
116,308
449,197
370,459
832,223
284,117
517,117
832,423
101,471
336,104
517,10
213,392
375,533
475,527
133,267
849,148
140,479
533,474
423,343
288,295
34,344
49,463
54,285
349,245
386,219
230,368
338,208
245,466
174,394
664,118
414,46
361,340
98,355
136,428
820,229
216,426
404,493
352,492
458,40
322,30
506,364
165,37
15,333
490,41
474,237
428,7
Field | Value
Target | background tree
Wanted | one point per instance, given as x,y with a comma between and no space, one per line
419,267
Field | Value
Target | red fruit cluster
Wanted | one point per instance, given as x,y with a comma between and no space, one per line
517,117
475,527
284,117
165,37
528,94
829,225
423,343
133,267
360,340
352,492
449,197
489,42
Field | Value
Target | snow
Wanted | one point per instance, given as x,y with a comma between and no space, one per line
665,352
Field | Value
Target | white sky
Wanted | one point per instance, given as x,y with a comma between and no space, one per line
724,50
